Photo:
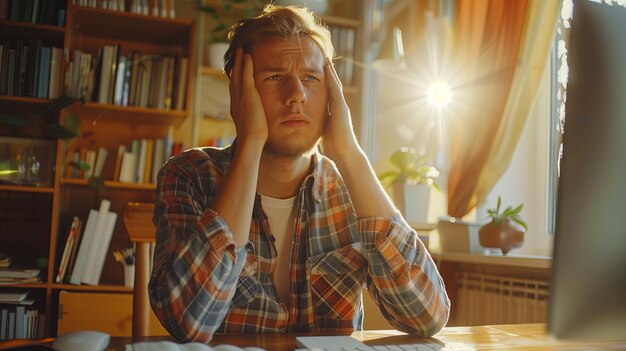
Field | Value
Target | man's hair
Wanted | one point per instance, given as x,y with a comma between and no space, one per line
288,22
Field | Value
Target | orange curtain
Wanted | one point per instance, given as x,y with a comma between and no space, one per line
487,39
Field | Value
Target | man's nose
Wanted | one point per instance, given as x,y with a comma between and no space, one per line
295,92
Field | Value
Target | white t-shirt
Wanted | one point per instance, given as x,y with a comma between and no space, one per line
281,215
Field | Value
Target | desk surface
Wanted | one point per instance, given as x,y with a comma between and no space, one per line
521,337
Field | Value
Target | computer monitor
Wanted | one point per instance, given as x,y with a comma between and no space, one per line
588,284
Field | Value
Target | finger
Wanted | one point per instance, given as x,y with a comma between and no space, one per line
333,81
235,82
248,72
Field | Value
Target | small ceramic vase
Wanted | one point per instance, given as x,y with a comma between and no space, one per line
509,235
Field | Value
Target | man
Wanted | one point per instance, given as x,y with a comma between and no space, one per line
267,235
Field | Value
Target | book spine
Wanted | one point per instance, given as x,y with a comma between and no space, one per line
89,273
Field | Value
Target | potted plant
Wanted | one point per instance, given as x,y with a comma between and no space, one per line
505,230
410,183
222,15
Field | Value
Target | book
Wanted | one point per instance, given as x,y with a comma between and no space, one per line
74,252
90,159
147,167
105,73
119,80
84,72
157,158
141,160
103,240
5,260
116,49
13,296
181,87
100,159
121,149
18,273
67,251
127,169
89,271
56,73
44,73
83,252
4,321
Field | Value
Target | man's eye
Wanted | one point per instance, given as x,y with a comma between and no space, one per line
311,78
274,77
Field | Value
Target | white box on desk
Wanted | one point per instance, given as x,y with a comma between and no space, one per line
458,235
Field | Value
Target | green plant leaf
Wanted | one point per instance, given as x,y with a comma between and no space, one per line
520,222
11,120
387,178
58,104
96,183
219,28
80,165
59,131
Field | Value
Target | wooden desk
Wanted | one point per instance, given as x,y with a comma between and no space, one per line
518,337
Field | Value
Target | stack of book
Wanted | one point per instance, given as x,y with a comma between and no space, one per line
19,275
162,8
49,12
86,247
136,79
138,162
28,68
19,316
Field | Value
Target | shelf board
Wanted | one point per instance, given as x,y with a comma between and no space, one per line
138,114
25,285
162,31
25,30
98,288
27,189
109,184
23,103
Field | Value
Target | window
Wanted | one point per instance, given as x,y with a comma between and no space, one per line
558,91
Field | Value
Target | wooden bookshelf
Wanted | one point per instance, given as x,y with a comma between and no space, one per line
47,211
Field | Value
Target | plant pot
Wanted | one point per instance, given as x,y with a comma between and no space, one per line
216,55
509,235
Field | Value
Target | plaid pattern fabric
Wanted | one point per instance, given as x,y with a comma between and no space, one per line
201,284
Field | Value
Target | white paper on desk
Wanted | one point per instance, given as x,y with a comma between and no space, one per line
167,346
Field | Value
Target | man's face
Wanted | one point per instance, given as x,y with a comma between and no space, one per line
289,75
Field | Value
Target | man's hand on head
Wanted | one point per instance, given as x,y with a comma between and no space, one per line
246,107
338,141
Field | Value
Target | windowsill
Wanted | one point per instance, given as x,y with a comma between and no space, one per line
514,260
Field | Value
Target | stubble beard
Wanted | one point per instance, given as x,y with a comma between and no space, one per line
291,146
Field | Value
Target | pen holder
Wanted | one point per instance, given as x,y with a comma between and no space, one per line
129,275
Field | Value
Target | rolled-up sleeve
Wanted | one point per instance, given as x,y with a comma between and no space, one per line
196,264
403,279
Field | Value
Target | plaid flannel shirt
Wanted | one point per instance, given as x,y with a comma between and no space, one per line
201,284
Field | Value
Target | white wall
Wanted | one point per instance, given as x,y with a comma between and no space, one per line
526,179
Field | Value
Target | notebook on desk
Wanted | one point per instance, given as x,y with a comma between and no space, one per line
190,346
347,343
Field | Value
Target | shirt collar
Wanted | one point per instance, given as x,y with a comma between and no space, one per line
320,166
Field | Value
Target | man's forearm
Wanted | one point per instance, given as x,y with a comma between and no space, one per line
368,196
235,199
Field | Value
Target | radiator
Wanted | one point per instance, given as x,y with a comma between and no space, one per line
488,299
